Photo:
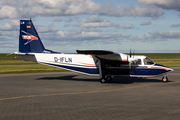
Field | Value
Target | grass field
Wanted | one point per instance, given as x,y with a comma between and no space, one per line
9,64
167,59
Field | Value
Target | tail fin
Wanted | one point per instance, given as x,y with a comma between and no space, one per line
29,40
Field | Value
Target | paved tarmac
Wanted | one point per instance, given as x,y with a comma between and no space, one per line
73,96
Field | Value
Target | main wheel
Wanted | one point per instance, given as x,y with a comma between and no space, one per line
109,78
165,79
102,80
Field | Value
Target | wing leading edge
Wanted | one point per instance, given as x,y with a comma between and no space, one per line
95,52
103,54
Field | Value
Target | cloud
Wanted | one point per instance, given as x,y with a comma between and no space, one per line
6,43
70,19
8,12
45,29
47,8
77,37
11,12
11,26
95,21
131,11
158,36
57,20
175,25
145,23
7,40
6,26
33,8
165,4
127,26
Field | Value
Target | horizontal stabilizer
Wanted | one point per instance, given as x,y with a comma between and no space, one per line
22,54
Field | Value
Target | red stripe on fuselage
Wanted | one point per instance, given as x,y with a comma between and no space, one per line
157,67
87,64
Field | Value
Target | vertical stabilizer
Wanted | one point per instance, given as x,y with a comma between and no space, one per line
29,40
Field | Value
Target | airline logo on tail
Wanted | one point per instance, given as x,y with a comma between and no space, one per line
28,37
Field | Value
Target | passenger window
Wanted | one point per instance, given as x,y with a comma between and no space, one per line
138,62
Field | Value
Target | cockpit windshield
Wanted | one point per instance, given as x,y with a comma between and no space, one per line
148,61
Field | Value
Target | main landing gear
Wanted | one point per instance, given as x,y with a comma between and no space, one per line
104,80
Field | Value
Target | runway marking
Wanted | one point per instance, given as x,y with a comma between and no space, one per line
31,96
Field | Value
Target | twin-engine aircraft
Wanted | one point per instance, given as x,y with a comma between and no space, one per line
105,64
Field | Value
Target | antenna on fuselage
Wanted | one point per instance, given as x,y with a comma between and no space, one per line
115,50
99,47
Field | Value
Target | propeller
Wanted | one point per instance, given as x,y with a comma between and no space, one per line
131,54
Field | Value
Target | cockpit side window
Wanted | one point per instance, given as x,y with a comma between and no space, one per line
138,62
148,61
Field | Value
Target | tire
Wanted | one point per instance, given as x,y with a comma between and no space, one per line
103,80
165,79
109,78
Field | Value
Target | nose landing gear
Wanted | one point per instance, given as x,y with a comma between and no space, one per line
165,78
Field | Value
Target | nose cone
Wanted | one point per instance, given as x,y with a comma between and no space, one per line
169,69
163,67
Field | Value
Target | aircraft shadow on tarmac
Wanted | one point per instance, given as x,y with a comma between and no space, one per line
116,79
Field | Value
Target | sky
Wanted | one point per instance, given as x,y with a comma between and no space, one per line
144,26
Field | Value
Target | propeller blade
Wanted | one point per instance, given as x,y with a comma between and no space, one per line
130,65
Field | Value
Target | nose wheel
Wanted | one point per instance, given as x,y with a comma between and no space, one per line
165,78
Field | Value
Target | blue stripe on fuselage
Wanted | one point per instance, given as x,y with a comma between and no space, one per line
145,71
92,71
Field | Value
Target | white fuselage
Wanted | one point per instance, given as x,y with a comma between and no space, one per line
136,66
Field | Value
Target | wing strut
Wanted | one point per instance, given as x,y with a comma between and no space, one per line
102,67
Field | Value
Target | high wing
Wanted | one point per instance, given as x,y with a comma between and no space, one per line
105,58
103,54
95,52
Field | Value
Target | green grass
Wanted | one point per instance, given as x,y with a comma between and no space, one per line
168,62
161,55
9,64
167,59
